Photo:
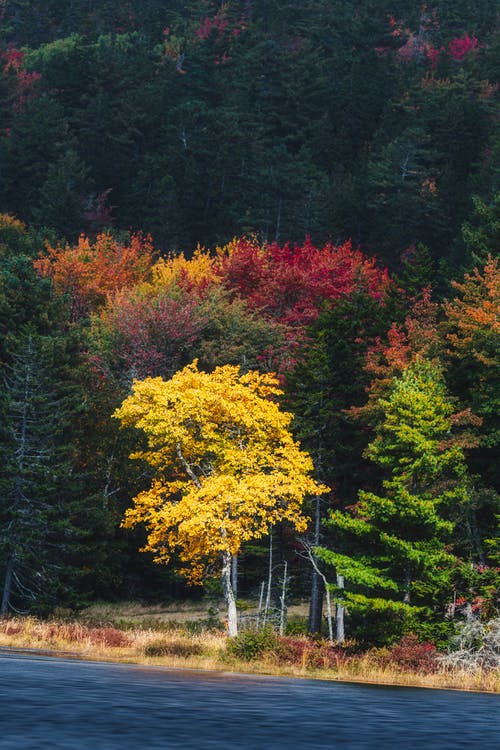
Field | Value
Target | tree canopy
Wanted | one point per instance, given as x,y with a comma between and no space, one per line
226,468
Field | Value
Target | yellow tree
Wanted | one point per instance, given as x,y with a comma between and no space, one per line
226,468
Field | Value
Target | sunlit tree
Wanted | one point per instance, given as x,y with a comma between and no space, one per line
226,468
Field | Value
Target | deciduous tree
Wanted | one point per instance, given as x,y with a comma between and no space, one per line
88,271
226,467
472,328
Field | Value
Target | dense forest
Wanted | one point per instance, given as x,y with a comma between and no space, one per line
308,189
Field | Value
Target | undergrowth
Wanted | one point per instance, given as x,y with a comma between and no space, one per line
407,662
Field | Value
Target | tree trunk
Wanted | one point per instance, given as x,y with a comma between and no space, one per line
317,587
234,575
283,601
315,604
269,578
232,616
261,602
329,613
340,612
407,594
7,587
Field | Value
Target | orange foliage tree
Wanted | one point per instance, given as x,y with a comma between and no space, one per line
417,337
88,271
472,329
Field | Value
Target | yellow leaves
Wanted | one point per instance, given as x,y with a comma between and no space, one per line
235,469
194,275
7,221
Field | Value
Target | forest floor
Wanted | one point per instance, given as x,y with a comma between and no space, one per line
186,636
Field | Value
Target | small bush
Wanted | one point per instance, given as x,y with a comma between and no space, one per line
250,644
475,646
411,655
172,648
296,626
307,652
108,637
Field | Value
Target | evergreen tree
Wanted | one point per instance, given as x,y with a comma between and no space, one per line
393,549
36,528
472,330
329,379
64,194
482,235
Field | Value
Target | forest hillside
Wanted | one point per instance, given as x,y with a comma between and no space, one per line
297,205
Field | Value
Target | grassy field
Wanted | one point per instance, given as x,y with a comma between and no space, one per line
184,637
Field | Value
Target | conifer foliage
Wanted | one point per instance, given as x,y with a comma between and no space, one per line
308,189
397,541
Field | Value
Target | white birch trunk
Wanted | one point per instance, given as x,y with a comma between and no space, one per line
269,579
261,602
329,613
340,612
283,601
232,615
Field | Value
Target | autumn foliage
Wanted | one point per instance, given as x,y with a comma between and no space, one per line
474,315
88,271
417,337
291,282
226,466
148,316
144,335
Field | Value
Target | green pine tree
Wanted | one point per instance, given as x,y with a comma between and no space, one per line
395,554
36,531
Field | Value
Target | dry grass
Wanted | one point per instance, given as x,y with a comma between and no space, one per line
110,643
135,612
176,648
173,615
366,669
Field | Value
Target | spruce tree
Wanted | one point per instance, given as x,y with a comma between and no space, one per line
37,533
393,548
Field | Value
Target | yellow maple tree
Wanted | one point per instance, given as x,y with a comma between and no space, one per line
226,467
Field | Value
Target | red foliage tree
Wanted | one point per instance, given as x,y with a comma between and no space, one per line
291,283
13,62
461,46
140,336
418,336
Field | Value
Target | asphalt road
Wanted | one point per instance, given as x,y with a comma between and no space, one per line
59,703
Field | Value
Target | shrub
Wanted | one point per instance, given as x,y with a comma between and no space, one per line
172,648
296,626
409,654
307,652
250,644
108,637
475,646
